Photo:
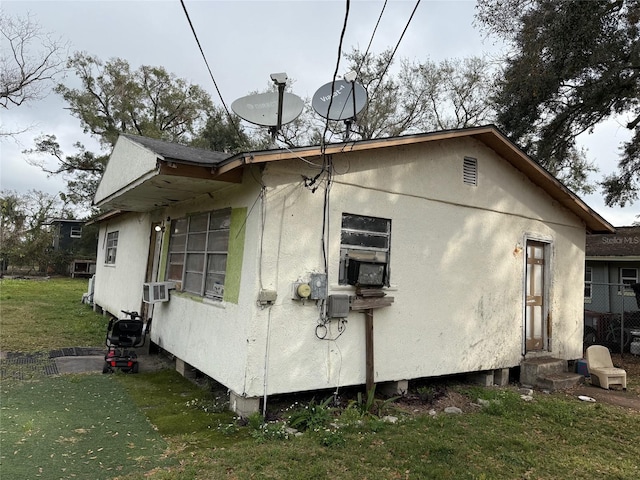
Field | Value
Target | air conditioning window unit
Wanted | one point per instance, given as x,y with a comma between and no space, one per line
156,291
366,274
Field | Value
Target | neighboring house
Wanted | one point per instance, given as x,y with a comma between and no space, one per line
479,251
66,233
612,268
67,239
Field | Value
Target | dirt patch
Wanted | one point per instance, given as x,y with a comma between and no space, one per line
445,397
442,396
629,399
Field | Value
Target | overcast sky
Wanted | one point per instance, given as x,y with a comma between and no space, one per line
244,43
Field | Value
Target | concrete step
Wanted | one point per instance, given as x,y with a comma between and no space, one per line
559,381
532,368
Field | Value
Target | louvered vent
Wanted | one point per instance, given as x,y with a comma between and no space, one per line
470,171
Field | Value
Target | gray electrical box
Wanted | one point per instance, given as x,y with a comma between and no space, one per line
338,306
267,296
318,284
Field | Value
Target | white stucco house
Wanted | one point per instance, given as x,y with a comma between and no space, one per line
280,258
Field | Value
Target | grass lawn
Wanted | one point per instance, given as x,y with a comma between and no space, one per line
159,425
44,315
82,426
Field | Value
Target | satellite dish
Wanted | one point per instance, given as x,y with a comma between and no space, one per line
349,98
262,108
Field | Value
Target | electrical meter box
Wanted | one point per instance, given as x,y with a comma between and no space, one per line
338,306
318,284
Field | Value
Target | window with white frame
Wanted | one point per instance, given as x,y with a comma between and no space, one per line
112,246
588,278
198,252
367,240
628,276
76,232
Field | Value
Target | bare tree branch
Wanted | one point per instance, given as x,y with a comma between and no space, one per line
31,59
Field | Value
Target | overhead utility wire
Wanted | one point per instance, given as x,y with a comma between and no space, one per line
373,34
396,48
335,73
193,30
310,182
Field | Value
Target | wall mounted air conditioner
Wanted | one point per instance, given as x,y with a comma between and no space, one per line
155,292
366,274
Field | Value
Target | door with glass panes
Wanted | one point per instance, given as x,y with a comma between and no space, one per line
535,297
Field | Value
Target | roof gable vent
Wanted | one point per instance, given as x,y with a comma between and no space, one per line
470,171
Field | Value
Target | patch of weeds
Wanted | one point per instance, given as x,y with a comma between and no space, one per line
229,428
215,404
312,416
496,402
331,437
428,393
370,406
264,431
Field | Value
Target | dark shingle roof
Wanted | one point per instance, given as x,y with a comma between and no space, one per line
180,153
625,242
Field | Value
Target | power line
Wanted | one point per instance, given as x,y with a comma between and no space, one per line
373,34
395,49
335,73
193,30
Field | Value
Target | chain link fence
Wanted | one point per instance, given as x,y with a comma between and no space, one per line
612,316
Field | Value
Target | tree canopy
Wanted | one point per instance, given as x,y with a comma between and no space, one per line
114,99
573,65
25,239
148,101
151,102
421,96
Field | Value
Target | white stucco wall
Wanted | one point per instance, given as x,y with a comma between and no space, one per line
128,161
457,272
119,286
210,335
457,268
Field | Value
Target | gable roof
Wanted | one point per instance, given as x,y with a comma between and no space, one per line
488,135
145,173
181,171
179,153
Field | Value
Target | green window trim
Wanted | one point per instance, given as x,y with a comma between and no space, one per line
235,255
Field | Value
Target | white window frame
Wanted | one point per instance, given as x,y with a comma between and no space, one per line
588,284
111,248
378,250
76,232
627,279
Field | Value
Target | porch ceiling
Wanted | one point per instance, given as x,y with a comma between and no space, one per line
160,190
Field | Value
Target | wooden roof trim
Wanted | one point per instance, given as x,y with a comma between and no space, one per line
315,151
168,167
488,135
106,216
